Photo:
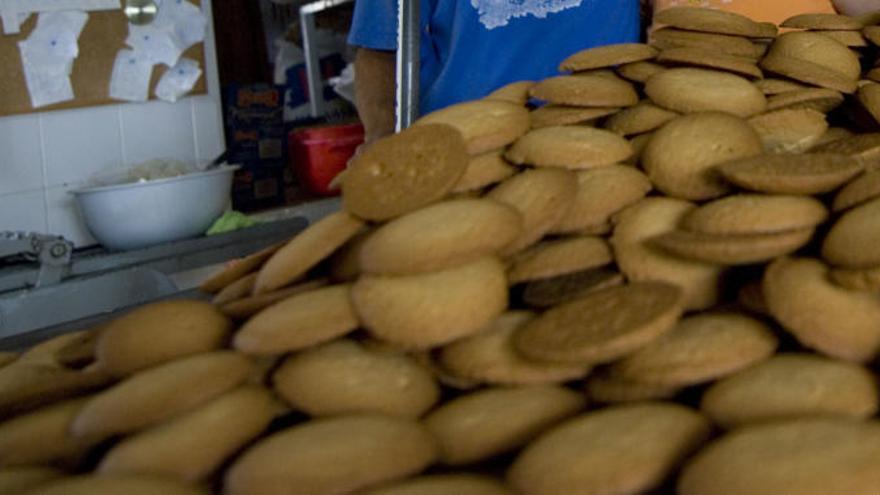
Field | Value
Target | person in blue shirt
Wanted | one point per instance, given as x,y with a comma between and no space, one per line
471,47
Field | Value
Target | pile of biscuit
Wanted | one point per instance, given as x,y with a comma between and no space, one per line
665,279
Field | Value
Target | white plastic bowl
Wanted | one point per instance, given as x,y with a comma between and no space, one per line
141,214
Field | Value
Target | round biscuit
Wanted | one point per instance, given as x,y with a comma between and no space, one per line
869,97
602,326
342,454
558,115
490,357
444,484
822,100
237,269
772,86
837,322
608,56
433,309
484,170
486,125
444,235
244,308
493,421
699,349
823,22
347,377
852,39
790,130
570,147
817,49
601,193
807,457
696,57
791,174
549,292
559,257
854,238
515,92
689,90
640,71
710,21
621,449
789,386
681,157
865,279
586,91
644,117
669,38
409,170
809,72
756,214
733,249
603,387
108,485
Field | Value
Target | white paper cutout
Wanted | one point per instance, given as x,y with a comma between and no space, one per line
186,21
178,80
131,76
157,43
47,56
15,12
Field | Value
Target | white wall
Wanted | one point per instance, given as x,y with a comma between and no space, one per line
45,155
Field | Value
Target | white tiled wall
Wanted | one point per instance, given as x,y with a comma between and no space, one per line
45,155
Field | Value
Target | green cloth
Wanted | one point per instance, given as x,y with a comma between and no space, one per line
231,221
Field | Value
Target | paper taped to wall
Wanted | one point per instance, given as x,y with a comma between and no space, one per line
15,12
131,76
47,56
178,80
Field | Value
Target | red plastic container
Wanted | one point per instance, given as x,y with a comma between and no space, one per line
318,154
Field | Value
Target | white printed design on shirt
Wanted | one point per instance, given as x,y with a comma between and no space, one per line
498,13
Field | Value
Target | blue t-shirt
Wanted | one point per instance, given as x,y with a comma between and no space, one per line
472,47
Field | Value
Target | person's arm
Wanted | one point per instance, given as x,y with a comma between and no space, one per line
374,91
856,7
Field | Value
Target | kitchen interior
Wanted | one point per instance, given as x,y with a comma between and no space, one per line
99,207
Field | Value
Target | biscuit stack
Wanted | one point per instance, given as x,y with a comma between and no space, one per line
664,279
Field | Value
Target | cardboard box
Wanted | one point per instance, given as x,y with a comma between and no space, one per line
254,122
261,185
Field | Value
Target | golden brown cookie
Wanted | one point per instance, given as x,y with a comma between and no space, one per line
586,91
621,449
490,357
710,21
571,147
819,50
823,22
807,457
407,171
696,57
549,292
236,290
771,86
192,446
756,214
158,333
837,322
444,484
733,249
346,377
335,455
699,349
111,485
689,90
154,395
872,33
433,309
603,387
444,235
299,322
484,170
854,239
515,92
791,174
306,250
486,125
543,197
809,72
790,130
602,326
42,438
607,56
559,257
864,188
246,307
25,386
644,117
640,260
865,279
670,38
601,193
237,269
852,39
819,99
789,386
640,71
23,479
556,115
681,157
483,424
864,146
639,143
869,97
833,134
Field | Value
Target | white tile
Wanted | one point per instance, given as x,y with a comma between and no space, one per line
23,211
64,217
21,160
208,124
79,143
157,129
